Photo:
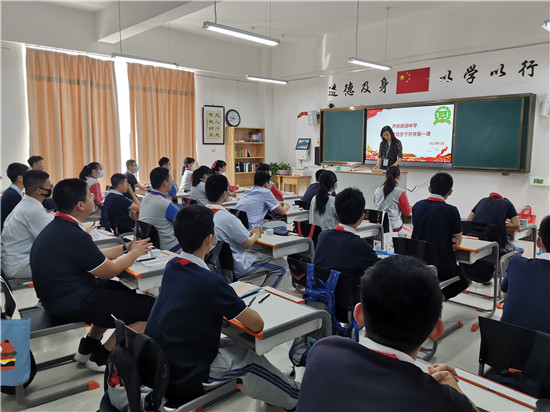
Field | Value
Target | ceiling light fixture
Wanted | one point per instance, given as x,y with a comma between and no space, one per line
241,34
363,62
265,79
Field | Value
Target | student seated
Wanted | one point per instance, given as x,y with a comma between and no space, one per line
264,167
219,167
71,275
313,188
498,211
165,162
13,194
158,210
36,163
231,230
90,174
259,200
392,199
526,286
400,307
341,248
125,210
197,190
187,318
187,174
131,169
321,210
437,222
24,224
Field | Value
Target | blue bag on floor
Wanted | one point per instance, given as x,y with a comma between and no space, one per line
15,361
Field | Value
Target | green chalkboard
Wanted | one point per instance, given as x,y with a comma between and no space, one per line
342,136
489,134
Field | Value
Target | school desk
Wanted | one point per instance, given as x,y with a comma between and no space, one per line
295,214
487,394
470,251
527,233
281,246
146,275
290,197
366,181
285,316
104,239
230,204
372,230
293,181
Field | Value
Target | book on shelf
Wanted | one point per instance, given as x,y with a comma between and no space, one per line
243,167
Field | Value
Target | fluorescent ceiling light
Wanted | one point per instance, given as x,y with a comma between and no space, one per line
151,62
265,80
367,63
546,25
241,34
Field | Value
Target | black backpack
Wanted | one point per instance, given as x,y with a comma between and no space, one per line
136,375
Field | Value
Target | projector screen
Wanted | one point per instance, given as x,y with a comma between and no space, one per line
426,132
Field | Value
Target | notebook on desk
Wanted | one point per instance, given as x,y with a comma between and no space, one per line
243,289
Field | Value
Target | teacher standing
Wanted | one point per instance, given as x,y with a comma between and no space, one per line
390,152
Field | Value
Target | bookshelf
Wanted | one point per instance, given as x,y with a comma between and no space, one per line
243,154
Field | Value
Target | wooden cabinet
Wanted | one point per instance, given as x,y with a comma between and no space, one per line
244,150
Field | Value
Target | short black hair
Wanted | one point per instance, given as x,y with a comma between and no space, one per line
544,232
117,179
401,302
15,170
68,192
130,163
215,186
158,176
164,161
441,183
318,174
349,205
34,179
264,167
261,178
33,159
192,225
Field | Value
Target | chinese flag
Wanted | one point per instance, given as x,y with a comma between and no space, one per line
413,81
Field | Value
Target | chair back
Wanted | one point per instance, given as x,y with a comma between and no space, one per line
303,204
418,248
485,231
188,202
9,301
112,221
380,217
220,260
241,215
306,229
146,230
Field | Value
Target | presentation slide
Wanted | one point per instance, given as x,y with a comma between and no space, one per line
426,132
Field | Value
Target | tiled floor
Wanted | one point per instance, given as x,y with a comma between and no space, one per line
459,349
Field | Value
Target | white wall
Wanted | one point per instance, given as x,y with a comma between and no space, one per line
14,144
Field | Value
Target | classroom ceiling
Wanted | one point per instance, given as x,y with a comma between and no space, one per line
292,20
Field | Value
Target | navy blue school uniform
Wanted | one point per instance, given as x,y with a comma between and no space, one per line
120,205
342,249
494,210
527,288
10,198
343,375
132,181
186,321
310,192
62,257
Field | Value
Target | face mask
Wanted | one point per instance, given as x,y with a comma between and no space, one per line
136,169
169,168
101,174
48,192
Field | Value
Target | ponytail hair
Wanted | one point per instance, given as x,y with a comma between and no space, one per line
218,164
392,173
199,173
186,162
87,170
326,183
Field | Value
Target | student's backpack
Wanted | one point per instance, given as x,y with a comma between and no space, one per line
136,375
320,294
